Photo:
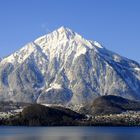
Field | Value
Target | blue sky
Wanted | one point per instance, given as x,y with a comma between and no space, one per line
114,23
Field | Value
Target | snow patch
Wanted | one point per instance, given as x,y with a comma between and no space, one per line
137,69
9,59
116,58
80,51
21,55
54,86
97,44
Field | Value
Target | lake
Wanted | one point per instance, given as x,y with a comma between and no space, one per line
69,133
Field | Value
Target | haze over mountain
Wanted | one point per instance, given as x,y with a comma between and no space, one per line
64,68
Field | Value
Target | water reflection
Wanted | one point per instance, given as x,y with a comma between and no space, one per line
69,133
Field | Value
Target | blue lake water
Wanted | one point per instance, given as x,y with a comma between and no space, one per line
69,133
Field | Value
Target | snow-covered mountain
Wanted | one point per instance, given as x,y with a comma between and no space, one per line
64,68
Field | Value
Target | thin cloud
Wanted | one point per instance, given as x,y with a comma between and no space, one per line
45,28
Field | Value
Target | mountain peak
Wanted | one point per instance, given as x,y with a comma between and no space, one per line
62,29
65,32
61,41
61,33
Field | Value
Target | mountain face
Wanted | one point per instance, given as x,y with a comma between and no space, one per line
64,68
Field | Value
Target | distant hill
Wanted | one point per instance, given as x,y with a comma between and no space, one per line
110,105
40,115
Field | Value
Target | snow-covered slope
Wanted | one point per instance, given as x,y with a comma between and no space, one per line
64,68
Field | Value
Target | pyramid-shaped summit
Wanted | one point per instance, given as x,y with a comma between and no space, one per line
63,68
61,33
